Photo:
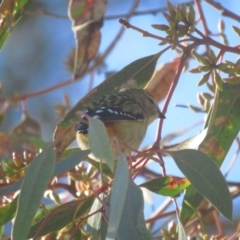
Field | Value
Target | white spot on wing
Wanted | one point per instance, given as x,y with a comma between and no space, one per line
110,110
99,111
96,116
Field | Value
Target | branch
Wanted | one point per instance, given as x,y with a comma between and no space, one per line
145,12
225,12
126,24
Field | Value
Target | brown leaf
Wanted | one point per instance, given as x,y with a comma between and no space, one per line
6,6
63,138
87,19
158,86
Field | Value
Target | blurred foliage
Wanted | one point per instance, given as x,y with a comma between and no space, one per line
66,195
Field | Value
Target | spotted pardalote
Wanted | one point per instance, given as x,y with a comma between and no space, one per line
126,115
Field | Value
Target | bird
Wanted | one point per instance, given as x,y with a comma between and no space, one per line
126,115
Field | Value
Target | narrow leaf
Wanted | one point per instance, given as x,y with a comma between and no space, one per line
132,224
118,197
166,186
34,184
218,80
191,197
61,216
181,232
171,9
200,58
222,130
99,142
237,30
8,211
161,27
126,220
94,222
204,79
205,176
70,162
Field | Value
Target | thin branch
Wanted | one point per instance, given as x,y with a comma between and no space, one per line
126,24
225,12
40,92
202,17
144,12
162,215
41,12
44,13
169,96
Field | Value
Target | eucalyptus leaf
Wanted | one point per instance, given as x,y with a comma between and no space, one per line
206,178
34,185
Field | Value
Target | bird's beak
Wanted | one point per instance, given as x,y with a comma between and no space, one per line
161,115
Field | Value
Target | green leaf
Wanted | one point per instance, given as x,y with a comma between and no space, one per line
178,17
132,224
200,58
60,167
191,15
167,16
34,185
237,30
94,222
212,56
171,10
8,211
204,79
218,80
126,220
181,232
193,197
11,188
60,217
11,12
161,27
195,70
166,186
118,197
207,179
70,162
99,142
222,130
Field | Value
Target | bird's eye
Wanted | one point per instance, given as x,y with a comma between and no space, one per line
151,101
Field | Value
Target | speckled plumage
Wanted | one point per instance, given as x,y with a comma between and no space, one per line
126,115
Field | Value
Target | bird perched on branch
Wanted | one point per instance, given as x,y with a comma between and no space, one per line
126,115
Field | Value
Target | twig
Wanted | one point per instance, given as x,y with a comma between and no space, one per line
45,13
40,92
202,18
225,12
162,215
168,98
144,12
80,221
126,24
41,12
